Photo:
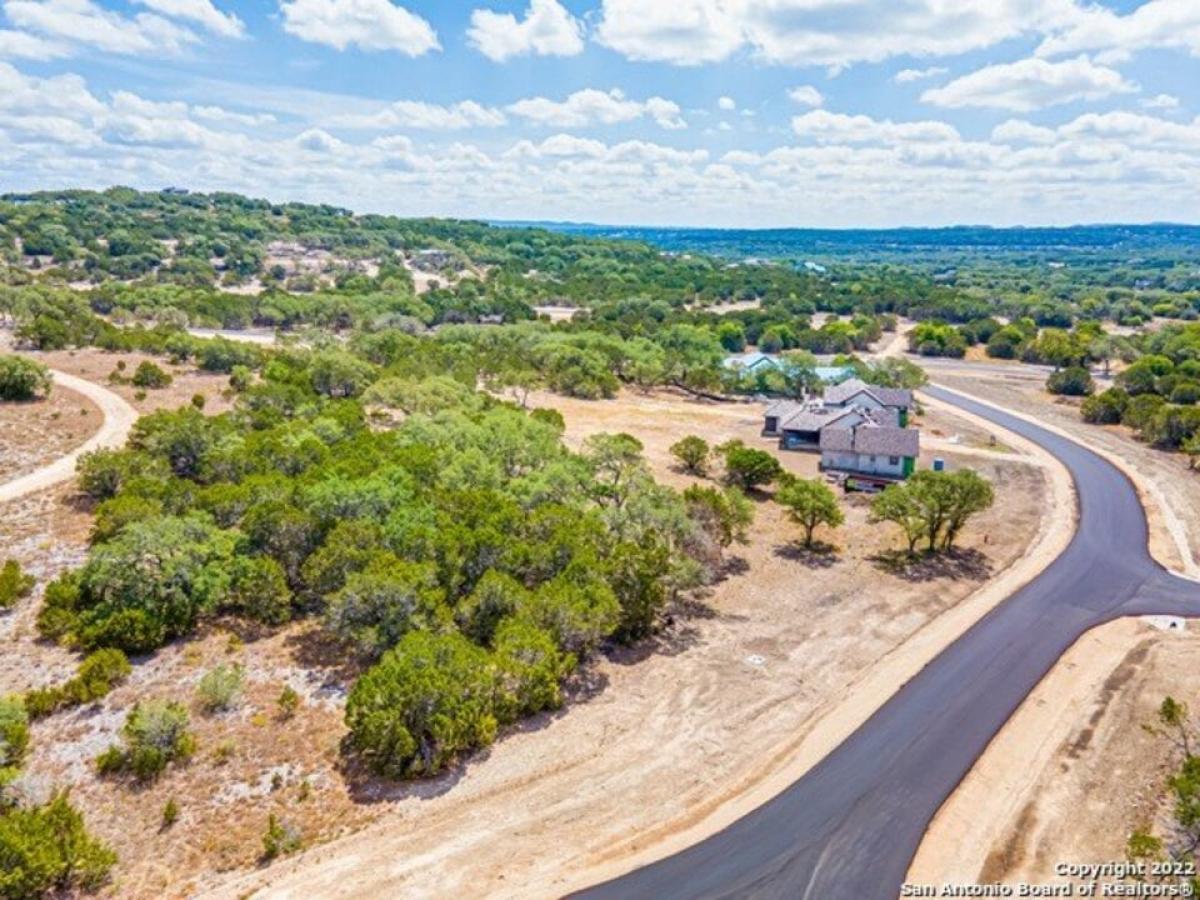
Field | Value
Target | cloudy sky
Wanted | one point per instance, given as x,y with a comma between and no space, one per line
748,113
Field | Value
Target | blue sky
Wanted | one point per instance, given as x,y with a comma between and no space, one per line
749,113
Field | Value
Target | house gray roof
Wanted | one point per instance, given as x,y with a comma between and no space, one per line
842,393
784,408
816,418
873,440
795,416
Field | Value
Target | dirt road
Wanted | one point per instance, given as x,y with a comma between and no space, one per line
119,417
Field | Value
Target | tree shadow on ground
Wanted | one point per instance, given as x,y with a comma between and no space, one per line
819,556
366,787
956,564
675,634
79,502
316,650
732,567
672,638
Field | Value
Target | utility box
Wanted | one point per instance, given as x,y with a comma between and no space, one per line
939,464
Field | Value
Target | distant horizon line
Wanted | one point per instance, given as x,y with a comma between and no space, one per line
543,223
10,193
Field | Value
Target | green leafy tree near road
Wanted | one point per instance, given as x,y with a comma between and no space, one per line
1073,381
1105,408
966,494
934,506
811,504
22,378
382,603
14,584
148,375
902,507
428,699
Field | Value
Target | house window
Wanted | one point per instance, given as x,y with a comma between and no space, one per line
893,460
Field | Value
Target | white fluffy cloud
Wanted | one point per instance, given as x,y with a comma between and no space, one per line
20,45
418,114
905,76
686,32
66,95
218,114
201,12
806,95
592,107
728,104
367,24
1160,101
1018,131
582,109
817,32
1031,84
1134,129
547,30
1157,23
85,22
639,152
826,127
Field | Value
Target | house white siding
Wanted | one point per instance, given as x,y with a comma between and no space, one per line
889,466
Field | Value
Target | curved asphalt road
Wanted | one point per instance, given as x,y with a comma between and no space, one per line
849,828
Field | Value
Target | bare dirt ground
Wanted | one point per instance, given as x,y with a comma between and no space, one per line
264,337
96,365
659,739
1073,772
557,313
32,434
721,309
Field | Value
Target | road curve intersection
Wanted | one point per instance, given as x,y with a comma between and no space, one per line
848,829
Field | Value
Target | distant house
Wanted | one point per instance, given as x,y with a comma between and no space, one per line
858,393
754,361
881,451
751,362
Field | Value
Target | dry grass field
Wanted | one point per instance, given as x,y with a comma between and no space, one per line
35,433
97,365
